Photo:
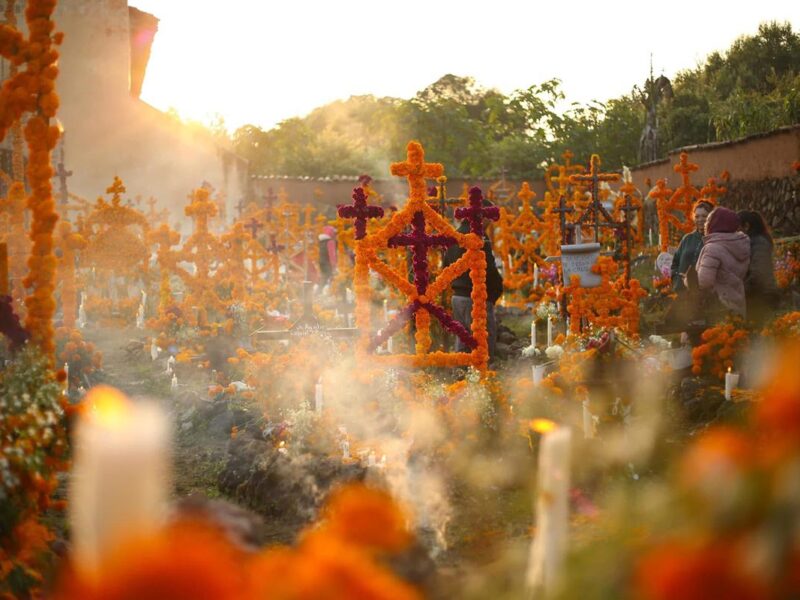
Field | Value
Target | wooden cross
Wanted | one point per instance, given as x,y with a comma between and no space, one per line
562,211
253,225
441,197
274,247
593,178
416,171
475,213
360,212
269,199
627,190
62,174
240,206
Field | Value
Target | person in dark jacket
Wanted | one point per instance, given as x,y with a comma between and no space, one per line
690,246
462,290
760,286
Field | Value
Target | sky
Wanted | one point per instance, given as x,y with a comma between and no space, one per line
262,61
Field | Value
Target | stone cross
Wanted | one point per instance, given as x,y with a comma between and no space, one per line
360,212
62,174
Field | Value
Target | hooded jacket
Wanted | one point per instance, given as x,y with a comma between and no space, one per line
722,267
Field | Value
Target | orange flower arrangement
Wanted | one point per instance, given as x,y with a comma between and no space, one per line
612,304
18,243
193,559
784,327
68,242
32,91
721,344
674,208
474,260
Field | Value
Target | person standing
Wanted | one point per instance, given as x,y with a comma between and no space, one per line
690,246
462,291
760,286
724,260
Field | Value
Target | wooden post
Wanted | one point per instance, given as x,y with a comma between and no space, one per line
4,288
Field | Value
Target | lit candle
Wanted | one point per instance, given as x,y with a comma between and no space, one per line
731,382
66,379
650,236
533,332
318,397
552,510
659,240
173,385
549,332
390,345
385,310
120,476
535,275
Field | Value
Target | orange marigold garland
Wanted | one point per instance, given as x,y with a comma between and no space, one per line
421,217
33,91
720,345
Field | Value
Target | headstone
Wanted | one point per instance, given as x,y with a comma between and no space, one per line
664,263
578,259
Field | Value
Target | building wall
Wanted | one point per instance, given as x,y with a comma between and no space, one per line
109,132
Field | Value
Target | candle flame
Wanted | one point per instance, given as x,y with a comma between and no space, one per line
542,425
108,406
729,369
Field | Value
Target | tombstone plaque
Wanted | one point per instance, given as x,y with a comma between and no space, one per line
578,259
664,263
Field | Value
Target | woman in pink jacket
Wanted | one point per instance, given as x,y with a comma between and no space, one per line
723,261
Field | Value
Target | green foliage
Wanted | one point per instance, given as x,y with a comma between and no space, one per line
476,132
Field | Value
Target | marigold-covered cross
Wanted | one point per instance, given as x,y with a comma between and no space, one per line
684,167
593,178
360,212
416,170
419,242
711,191
476,212
253,225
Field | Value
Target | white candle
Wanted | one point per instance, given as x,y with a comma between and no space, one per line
66,379
535,275
659,240
549,332
588,420
650,236
552,511
345,449
731,383
153,350
120,476
385,310
538,374
318,397
390,345
533,333
173,385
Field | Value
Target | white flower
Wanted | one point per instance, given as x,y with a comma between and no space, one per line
659,342
530,352
554,352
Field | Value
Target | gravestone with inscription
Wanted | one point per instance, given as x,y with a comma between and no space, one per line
578,259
